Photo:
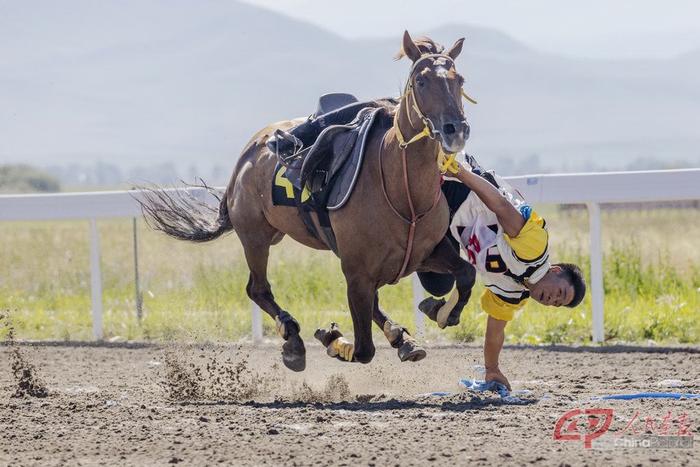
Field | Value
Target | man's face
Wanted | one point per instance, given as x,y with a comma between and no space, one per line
553,289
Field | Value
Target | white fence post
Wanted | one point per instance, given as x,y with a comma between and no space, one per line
95,281
137,284
418,296
596,285
257,323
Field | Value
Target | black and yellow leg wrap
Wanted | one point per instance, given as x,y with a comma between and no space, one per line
395,334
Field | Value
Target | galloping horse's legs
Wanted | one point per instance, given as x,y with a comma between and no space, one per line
361,296
445,259
397,335
257,250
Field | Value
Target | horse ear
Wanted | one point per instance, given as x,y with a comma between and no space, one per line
409,47
456,49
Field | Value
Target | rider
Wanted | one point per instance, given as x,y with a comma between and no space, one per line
507,242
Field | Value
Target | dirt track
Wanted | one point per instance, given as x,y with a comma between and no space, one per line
114,405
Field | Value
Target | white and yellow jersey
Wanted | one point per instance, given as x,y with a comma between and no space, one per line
504,263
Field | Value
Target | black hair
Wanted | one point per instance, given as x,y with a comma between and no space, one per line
574,276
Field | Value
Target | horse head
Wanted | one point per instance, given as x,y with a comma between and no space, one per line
433,92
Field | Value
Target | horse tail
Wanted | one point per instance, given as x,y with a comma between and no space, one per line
179,214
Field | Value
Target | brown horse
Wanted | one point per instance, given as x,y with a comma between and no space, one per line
393,224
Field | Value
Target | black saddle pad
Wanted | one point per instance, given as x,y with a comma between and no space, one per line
327,173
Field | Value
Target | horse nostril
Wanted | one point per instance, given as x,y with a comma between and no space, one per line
449,129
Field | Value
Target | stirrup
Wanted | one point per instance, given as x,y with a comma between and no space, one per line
284,145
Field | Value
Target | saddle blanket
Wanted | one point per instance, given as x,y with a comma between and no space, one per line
325,177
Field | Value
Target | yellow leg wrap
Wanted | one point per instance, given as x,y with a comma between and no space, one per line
341,347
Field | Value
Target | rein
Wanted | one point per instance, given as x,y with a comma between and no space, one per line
446,162
415,218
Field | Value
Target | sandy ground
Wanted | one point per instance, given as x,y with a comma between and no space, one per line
234,405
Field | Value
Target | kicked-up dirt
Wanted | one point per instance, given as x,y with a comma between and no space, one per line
237,405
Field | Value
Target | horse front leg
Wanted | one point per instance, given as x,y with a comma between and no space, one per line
397,335
361,296
445,259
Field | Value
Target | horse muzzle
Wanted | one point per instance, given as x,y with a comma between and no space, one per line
453,135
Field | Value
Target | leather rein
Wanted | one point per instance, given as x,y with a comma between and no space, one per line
415,218
446,162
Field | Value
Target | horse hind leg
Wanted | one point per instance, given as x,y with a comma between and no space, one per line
257,251
360,298
397,335
445,261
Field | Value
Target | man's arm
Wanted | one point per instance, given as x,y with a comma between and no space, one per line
493,343
508,216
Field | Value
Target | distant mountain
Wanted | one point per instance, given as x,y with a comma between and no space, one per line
138,83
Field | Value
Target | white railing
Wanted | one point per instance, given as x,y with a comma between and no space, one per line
591,189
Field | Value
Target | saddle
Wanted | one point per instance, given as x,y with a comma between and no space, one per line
323,176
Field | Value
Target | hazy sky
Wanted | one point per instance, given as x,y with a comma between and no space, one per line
595,28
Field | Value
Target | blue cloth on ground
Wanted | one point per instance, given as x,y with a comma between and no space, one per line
438,394
482,386
649,395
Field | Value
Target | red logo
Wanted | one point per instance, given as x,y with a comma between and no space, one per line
597,423
473,248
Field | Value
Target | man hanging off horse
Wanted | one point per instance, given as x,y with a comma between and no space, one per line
498,232
507,242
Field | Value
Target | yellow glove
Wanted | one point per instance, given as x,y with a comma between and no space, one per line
341,347
447,163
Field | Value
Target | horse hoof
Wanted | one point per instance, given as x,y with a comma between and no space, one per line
411,352
364,355
294,353
455,314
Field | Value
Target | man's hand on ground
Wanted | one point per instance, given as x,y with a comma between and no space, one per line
496,375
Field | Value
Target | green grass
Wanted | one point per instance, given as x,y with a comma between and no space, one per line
197,292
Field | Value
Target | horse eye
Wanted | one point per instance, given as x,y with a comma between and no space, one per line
420,82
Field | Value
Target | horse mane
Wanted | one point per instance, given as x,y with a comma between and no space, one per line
426,46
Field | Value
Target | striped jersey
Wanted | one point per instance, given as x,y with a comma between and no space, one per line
503,263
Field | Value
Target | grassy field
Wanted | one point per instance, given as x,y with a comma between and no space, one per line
197,292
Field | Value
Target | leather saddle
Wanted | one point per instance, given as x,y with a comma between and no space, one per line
328,170
333,101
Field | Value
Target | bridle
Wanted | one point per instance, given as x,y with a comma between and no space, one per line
446,162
